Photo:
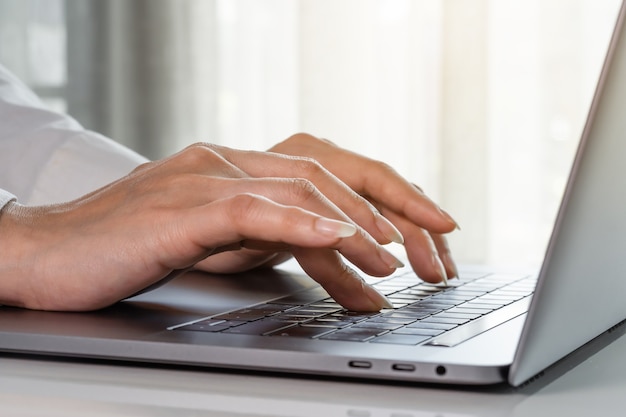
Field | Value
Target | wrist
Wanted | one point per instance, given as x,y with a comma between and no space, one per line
16,255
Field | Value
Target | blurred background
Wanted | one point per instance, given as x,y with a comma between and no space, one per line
480,102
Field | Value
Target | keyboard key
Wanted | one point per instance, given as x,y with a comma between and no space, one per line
302,331
435,326
496,300
462,316
451,298
421,309
329,303
299,312
463,310
212,325
407,297
414,292
271,307
394,320
352,316
293,318
513,295
377,325
323,322
418,332
304,297
446,320
407,314
418,292
354,334
468,292
259,327
471,305
400,339
315,311
505,295
473,275
386,290
434,304
399,303
430,288
244,315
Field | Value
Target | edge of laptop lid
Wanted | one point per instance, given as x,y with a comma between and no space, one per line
581,287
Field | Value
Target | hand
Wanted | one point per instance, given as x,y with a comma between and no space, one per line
171,214
420,221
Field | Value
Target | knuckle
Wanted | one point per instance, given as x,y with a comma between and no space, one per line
307,138
144,167
301,137
301,188
243,206
382,167
199,155
308,167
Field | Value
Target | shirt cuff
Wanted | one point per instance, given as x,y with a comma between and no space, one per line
5,198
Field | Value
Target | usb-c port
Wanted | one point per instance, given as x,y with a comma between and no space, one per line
405,367
360,364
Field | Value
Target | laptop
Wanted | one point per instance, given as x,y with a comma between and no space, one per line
490,327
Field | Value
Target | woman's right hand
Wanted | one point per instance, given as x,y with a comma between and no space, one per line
171,214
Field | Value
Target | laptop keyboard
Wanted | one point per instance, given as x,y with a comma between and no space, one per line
423,313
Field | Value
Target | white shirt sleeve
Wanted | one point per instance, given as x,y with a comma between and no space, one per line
5,197
48,157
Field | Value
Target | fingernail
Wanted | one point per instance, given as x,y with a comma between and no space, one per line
334,228
449,263
376,297
388,229
450,219
390,260
441,270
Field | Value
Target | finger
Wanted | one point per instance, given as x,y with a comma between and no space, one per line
340,281
443,249
421,249
247,216
361,249
264,164
384,185
439,240
372,178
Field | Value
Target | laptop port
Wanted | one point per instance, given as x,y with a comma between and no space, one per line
360,364
404,367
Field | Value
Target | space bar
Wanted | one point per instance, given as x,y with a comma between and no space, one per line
481,325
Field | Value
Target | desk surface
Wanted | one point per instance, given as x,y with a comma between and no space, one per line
30,386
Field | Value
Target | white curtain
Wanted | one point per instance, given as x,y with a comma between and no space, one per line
479,101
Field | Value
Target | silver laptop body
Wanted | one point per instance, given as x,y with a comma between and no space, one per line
578,296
